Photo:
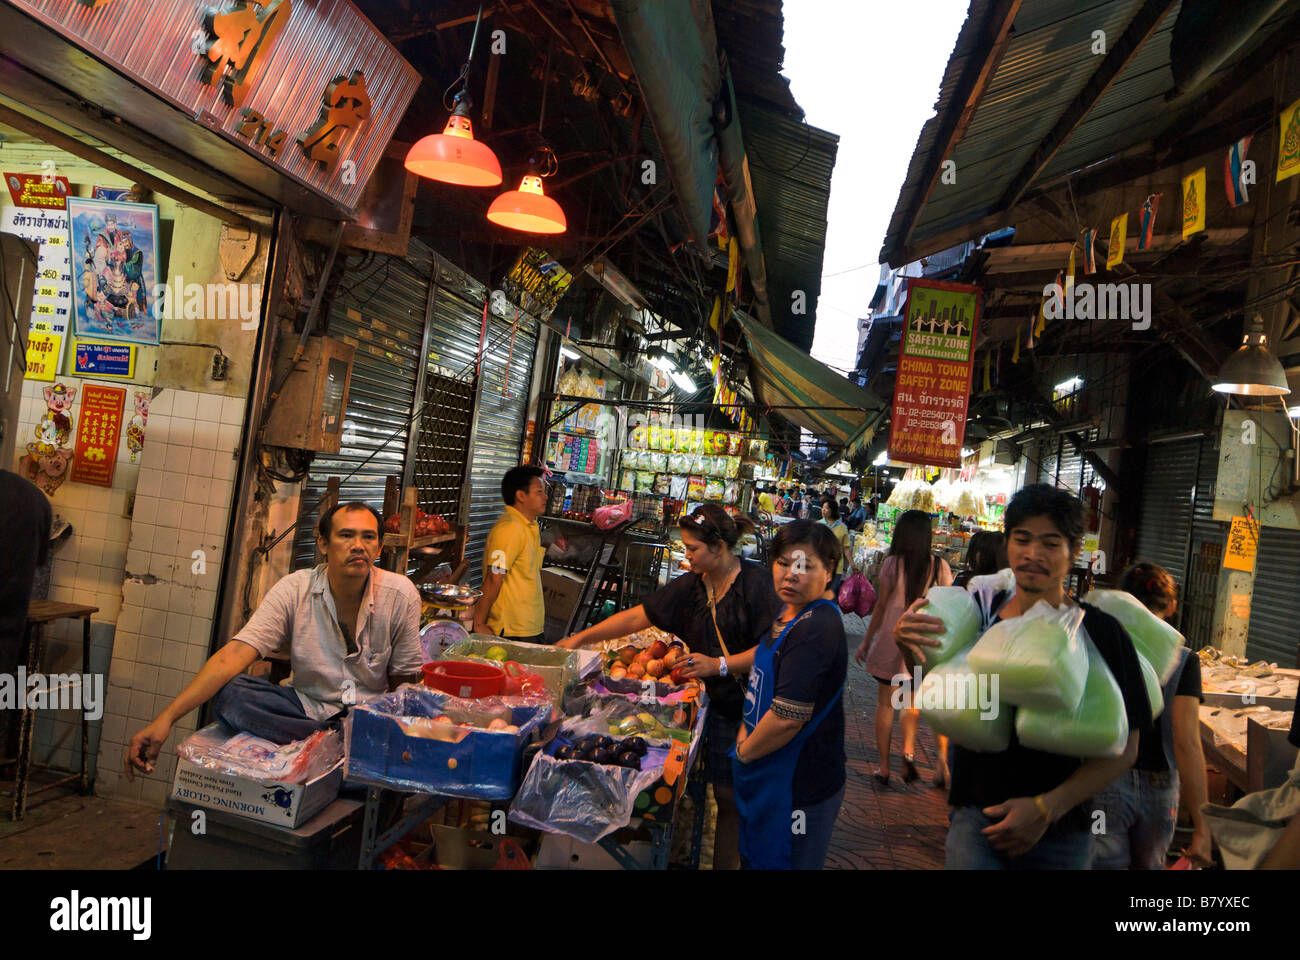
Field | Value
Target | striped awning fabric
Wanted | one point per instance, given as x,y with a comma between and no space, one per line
809,393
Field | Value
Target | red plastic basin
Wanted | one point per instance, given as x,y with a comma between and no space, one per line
462,678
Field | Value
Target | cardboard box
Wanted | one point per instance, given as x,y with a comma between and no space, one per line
561,591
280,804
558,852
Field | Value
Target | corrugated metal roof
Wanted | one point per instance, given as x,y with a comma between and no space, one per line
1047,63
790,164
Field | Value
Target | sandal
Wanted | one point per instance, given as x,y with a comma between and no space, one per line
909,769
881,778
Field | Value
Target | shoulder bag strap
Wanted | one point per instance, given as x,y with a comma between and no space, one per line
708,589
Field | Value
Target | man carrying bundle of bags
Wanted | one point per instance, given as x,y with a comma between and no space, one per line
1043,698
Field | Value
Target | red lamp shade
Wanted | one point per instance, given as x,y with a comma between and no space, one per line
528,209
454,156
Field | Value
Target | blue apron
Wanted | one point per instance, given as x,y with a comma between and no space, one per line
764,789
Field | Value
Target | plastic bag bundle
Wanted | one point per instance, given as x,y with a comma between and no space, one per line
1152,682
967,502
1003,580
961,619
218,748
1039,657
1096,727
1154,638
952,702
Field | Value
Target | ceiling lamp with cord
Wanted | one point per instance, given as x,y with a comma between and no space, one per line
454,156
1253,371
528,208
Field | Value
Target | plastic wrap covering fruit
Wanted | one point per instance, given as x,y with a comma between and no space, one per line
425,741
950,702
582,799
219,748
961,619
1154,638
1096,727
555,666
1039,657
616,715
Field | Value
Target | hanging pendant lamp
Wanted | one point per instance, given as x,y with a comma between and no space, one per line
1253,371
529,209
454,156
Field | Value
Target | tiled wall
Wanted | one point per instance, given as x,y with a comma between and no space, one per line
173,566
87,567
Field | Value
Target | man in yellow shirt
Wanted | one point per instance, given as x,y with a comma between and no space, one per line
511,606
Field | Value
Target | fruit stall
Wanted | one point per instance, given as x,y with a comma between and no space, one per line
507,755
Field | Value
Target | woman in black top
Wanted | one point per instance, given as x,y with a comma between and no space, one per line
986,553
744,605
790,750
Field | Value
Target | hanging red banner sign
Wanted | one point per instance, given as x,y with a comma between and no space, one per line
98,433
42,190
935,365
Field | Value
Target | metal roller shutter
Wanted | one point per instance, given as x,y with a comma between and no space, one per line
1205,559
1275,604
1165,524
379,307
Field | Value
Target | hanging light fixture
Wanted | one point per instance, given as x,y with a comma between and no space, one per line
528,208
454,156
1253,371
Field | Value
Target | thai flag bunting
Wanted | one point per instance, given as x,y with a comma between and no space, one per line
1232,172
1149,208
1090,250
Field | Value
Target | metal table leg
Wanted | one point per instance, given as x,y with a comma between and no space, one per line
85,722
35,638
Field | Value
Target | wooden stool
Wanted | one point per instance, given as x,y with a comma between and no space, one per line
39,613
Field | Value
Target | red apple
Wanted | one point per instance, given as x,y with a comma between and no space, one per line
656,668
658,649
677,675
627,654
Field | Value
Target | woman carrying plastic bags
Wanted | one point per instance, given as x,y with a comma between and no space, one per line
1141,807
1023,808
789,764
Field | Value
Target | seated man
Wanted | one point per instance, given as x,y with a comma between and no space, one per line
352,632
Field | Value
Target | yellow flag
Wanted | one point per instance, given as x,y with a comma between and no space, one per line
988,358
713,317
1193,203
1288,142
1015,350
1069,272
733,259
1118,237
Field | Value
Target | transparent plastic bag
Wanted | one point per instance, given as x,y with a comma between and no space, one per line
949,700
1039,657
961,618
1152,682
1096,727
219,748
1154,638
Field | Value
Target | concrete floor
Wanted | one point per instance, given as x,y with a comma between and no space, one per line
65,831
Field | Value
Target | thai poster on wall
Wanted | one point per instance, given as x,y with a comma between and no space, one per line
114,269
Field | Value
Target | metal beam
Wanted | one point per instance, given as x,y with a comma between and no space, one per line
970,91
1130,42
56,138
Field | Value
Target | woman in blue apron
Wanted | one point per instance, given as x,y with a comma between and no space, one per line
788,761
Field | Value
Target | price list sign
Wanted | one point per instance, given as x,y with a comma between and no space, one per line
52,300
98,433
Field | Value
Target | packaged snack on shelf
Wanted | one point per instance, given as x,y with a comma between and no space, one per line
695,488
654,436
731,492
678,463
627,481
735,443
718,442
713,489
641,436
645,481
758,449
632,458
663,482
677,487
658,462
685,440
667,439
733,467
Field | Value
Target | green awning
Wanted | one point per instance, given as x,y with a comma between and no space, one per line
808,392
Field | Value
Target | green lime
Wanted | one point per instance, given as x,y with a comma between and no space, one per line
497,653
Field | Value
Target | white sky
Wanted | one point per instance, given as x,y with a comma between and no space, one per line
868,70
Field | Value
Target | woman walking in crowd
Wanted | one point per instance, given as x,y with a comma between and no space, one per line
986,553
830,516
909,571
789,755
1141,807
721,608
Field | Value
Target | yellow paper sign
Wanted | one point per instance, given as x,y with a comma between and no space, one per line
1193,203
1118,237
43,355
1243,541
1288,149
